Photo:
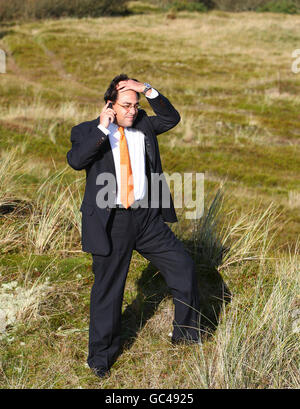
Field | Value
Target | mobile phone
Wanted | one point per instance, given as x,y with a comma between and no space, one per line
110,106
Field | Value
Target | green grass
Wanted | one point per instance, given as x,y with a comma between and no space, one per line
229,75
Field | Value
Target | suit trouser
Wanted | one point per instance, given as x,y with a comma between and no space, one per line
145,231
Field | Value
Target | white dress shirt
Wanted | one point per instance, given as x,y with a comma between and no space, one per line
136,147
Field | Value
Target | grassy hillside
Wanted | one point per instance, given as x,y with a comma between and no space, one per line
230,77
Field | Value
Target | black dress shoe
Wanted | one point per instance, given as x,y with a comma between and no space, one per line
101,372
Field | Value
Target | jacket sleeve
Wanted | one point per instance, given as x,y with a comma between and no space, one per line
85,146
166,115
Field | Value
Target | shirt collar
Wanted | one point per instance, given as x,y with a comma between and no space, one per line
113,128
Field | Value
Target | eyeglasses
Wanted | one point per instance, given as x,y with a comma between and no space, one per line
127,107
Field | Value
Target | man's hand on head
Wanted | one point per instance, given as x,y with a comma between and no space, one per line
136,86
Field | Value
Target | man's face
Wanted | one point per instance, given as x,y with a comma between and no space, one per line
126,108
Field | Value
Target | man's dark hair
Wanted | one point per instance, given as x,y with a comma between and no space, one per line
111,93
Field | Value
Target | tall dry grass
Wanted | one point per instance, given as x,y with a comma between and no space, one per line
11,236
55,219
224,238
48,221
257,342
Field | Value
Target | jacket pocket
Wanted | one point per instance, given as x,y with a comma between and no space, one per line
87,208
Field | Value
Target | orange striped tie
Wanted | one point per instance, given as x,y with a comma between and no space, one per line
127,190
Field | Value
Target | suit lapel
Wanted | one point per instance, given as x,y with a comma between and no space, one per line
149,146
108,155
110,159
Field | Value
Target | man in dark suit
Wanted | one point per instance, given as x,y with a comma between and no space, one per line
120,154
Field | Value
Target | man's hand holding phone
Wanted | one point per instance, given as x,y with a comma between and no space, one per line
107,115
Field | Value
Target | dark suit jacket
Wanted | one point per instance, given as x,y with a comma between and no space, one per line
91,151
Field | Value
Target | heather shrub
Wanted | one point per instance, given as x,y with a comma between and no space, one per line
39,9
